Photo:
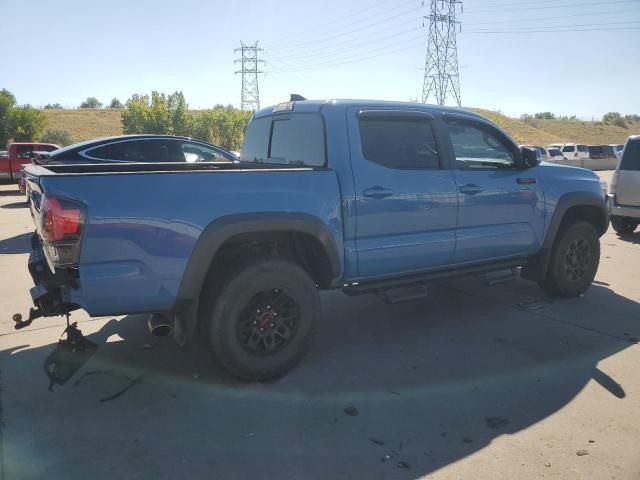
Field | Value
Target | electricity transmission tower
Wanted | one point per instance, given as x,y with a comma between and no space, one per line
441,79
250,96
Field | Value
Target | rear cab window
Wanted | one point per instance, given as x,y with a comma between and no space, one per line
293,139
569,148
583,149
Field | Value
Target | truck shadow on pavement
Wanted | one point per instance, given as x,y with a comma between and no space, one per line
387,392
14,245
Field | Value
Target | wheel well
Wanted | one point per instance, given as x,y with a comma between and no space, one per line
592,214
301,248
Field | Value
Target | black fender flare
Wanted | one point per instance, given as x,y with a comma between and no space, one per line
221,230
536,269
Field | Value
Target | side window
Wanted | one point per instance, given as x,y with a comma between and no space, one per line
99,152
194,152
298,140
631,156
255,147
477,146
400,142
568,148
24,151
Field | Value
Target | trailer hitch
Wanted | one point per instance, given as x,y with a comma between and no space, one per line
68,356
33,314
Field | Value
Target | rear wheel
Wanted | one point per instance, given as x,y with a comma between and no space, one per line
574,260
262,318
624,225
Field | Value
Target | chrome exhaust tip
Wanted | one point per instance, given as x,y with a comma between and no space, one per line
160,326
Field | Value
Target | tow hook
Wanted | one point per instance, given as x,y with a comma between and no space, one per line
68,356
33,314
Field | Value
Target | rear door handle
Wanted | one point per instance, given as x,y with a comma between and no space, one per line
526,181
377,192
470,189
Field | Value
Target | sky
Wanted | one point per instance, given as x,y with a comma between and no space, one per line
569,57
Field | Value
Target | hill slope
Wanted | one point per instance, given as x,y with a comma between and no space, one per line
85,124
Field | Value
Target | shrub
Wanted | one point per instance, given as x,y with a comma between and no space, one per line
59,136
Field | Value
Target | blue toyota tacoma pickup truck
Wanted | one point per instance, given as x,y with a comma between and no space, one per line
365,196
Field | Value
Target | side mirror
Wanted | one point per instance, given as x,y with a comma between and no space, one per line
528,158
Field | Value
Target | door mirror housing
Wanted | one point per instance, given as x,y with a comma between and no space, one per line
528,158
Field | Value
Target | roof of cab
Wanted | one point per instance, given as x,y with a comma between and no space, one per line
318,105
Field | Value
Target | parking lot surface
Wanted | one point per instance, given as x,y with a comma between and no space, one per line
474,381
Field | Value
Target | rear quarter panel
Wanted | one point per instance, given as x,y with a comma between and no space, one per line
142,228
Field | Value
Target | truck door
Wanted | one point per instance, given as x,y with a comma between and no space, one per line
406,199
500,208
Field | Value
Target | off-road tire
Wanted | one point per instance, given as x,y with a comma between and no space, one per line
225,312
574,260
624,225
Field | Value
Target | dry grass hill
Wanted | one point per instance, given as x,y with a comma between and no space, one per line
85,124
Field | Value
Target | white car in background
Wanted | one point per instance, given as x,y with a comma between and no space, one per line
544,154
575,151
554,154
617,149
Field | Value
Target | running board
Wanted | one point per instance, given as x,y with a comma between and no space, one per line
380,286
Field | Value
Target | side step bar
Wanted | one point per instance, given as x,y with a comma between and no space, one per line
379,286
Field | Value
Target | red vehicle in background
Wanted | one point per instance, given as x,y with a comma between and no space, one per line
19,154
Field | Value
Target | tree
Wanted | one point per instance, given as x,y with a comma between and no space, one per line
7,102
544,116
159,119
116,104
91,102
25,123
135,115
632,118
50,106
181,120
614,118
58,136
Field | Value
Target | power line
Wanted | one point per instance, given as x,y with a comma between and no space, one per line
563,27
552,31
572,5
350,46
349,32
350,22
357,58
555,17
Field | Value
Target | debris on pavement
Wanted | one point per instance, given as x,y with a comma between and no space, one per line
377,441
351,411
403,465
496,422
536,304
582,453
467,440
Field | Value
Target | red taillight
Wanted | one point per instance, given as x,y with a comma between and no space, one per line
60,219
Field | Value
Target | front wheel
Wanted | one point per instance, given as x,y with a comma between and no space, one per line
574,260
623,225
262,319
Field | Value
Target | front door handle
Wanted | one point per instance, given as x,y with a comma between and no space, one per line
470,189
377,192
526,181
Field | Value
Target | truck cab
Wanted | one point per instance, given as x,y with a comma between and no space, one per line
19,154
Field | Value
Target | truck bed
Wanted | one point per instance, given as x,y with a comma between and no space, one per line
144,220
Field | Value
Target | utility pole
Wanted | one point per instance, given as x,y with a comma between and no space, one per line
441,78
250,96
